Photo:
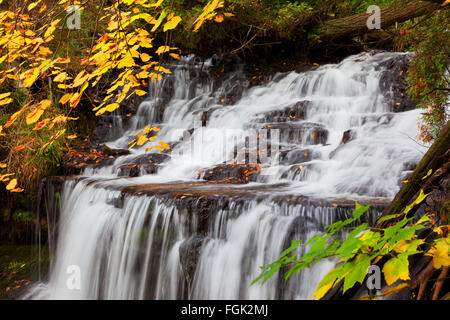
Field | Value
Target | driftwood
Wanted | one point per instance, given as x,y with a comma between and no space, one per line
356,25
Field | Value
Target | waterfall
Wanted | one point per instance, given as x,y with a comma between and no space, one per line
169,234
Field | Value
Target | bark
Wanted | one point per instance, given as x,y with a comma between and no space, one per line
355,25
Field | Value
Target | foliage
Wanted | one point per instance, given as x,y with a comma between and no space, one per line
429,73
33,64
365,246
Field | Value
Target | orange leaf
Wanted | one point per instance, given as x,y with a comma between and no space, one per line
41,124
15,116
12,184
18,148
34,116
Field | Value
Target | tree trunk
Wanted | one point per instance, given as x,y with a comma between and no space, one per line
357,24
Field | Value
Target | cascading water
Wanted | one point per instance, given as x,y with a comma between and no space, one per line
168,235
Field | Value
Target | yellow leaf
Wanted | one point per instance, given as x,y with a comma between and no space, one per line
162,69
159,21
45,51
80,79
140,92
440,253
32,5
12,184
65,98
73,136
4,95
111,107
163,49
159,148
31,76
175,56
34,116
395,269
145,57
164,145
6,101
141,140
172,23
127,61
61,77
3,165
219,18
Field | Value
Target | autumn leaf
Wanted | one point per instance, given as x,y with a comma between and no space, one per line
38,111
12,184
172,23
18,148
141,140
440,253
61,77
145,57
3,165
32,5
164,145
163,49
65,98
41,124
5,95
396,268
6,101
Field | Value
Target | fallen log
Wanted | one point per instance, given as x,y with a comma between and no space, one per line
356,25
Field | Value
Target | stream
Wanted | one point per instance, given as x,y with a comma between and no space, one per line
167,225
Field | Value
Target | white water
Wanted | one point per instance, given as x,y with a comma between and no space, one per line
131,251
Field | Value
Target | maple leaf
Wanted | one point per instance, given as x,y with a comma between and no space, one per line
396,268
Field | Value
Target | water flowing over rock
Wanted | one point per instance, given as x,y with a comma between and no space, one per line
250,169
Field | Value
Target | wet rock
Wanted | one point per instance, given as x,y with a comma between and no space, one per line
231,173
393,83
114,152
144,164
189,253
348,135
291,113
83,155
296,156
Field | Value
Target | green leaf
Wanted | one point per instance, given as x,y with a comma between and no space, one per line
358,272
